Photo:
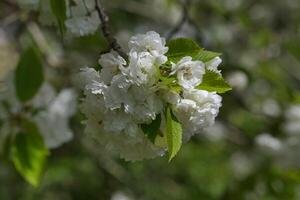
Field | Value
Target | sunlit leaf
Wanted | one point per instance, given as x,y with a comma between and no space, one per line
29,153
181,47
174,134
206,56
213,82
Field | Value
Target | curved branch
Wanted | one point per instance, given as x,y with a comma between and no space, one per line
112,42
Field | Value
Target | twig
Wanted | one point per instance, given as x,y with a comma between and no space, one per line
183,20
112,42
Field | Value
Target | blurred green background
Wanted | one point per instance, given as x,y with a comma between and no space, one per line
251,153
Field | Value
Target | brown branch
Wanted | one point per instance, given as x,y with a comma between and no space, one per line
182,21
112,42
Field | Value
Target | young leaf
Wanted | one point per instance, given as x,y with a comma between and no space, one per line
174,134
58,8
29,153
213,82
206,56
152,129
170,82
181,47
29,74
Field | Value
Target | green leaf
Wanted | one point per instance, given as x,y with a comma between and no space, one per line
58,8
29,74
214,82
174,134
152,129
29,153
181,47
293,48
170,83
206,56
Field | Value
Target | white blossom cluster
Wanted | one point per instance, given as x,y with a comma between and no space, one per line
123,95
49,110
82,17
292,124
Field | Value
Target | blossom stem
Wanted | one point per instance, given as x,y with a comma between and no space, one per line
112,42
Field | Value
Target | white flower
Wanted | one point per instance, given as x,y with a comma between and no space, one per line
115,94
189,73
117,121
213,64
238,80
54,121
271,107
151,41
268,143
93,106
111,63
45,96
122,98
216,132
83,25
170,96
82,19
142,68
143,104
85,77
53,114
292,124
197,110
119,195
116,132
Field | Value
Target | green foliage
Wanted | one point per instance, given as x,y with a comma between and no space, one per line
29,153
244,120
152,130
209,164
206,56
58,8
170,83
29,74
266,48
181,47
293,48
214,82
174,134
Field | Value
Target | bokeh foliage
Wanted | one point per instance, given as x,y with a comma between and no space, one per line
259,38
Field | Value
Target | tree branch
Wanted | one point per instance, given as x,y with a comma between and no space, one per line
112,42
182,21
